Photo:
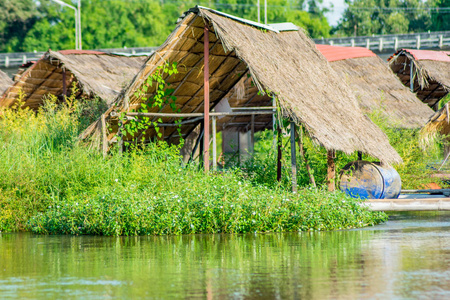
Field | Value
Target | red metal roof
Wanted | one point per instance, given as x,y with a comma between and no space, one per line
333,53
67,52
426,55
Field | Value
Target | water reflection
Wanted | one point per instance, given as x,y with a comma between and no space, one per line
408,257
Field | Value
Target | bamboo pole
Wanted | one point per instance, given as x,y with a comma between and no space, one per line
120,143
293,159
214,133
104,137
279,154
64,82
252,134
206,99
188,115
301,149
331,170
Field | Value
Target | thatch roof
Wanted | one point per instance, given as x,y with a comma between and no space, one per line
5,82
431,73
97,74
376,88
287,64
439,124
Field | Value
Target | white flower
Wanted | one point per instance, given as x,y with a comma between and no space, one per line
116,180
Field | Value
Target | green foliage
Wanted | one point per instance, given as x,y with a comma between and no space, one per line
367,17
51,183
28,25
415,170
196,203
162,96
418,161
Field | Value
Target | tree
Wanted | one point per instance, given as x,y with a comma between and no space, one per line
367,17
39,25
440,20
16,18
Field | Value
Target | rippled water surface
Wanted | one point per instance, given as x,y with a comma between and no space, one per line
406,258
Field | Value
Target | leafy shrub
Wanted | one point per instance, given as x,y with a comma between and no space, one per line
51,183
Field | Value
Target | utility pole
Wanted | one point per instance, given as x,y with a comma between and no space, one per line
77,21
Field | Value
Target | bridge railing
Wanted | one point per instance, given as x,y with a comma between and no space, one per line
380,43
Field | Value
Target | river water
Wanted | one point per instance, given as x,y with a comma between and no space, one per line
406,258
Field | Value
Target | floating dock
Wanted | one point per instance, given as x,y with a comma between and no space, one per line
411,202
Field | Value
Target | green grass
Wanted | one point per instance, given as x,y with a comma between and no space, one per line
53,184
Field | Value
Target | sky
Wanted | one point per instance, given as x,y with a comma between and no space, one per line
335,15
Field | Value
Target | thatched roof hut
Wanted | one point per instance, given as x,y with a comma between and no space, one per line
431,73
376,87
288,65
97,74
5,82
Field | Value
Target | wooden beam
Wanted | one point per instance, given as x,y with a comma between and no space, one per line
279,154
206,99
293,159
252,134
188,115
301,149
414,204
121,137
331,170
64,82
214,133
104,137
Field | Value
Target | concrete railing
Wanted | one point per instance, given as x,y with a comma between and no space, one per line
393,42
380,43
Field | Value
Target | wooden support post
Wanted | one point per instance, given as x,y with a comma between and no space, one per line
302,154
274,122
104,137
293,159
214,134
331,170
197,143
252,135
206,99
120,140
64,82
279,145
411,75
161,131
359,155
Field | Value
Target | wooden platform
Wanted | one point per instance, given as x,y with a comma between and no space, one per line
412,202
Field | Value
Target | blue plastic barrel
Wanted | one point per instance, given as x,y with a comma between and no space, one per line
366,180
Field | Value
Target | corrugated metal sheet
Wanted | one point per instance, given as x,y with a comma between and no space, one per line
284,26
334,53
426,55
429,55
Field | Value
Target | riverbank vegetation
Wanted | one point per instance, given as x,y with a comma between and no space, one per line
52,183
